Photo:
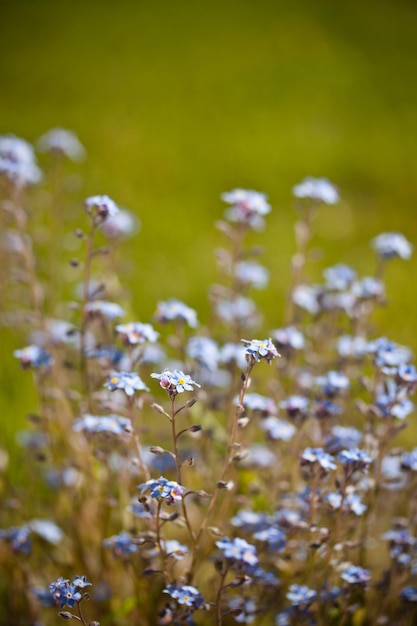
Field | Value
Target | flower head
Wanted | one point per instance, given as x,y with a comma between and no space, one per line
111,310
168,490
317,456
129,382
356,575
17,161
391,245
301,595
61,141
173,310
106,424
319,189
186,595
33,356
100,208
137,333
260,349
238,550
247,207
66,593
175,382
121,545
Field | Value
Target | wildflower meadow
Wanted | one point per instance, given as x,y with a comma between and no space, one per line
199,467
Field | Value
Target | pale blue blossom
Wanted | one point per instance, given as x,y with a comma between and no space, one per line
318,189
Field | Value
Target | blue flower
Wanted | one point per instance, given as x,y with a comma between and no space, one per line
205,351
276,538
111,310
319,189
339,277
391,245
355,459
238,310
105,424
251,274
65,593
100,207
17,161
186,595
175,382
409,594
277,428
81,582
409,460
61,141
301,595
295,406
333,382
18,537
137,333
122,544
317,456
288,337
129,382
248,207
260,349
173,310
257,402
356,575
238,550
168,490
33,356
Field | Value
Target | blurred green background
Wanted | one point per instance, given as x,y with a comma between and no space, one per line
177,101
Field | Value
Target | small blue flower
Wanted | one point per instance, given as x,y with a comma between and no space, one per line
356,575
186,595
129,382
81,582
65,593
238,550
110,310
317,456
205,351
333,382
175,310
63,142
257,402
409,460
277,428
288,337
137,333
122,545
168,490
247,207
276,538
355,459
391,245
319,189
175,382
18,537
295,406
251,274
301,595
33,356
260,349
409,594
339,277
100,207
106,424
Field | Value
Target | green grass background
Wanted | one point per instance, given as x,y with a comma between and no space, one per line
177,101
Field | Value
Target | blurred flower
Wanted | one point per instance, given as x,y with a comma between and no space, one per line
129,382
275,538
289,337
339,277
47,529
354,347
390,245
252,274
17,161
33,356
106,424
313,456
333,382
355,575
121,545
319,189
301,595
205,351
355,459
122,224
409,460
256,402
233,352
173,310
238,550
260,349
388,353
239,310
248,207
100,207
351,502
278,429
137,333
18,538
307,297
111,310
63,142
295,405
409,594
175,549
368,288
